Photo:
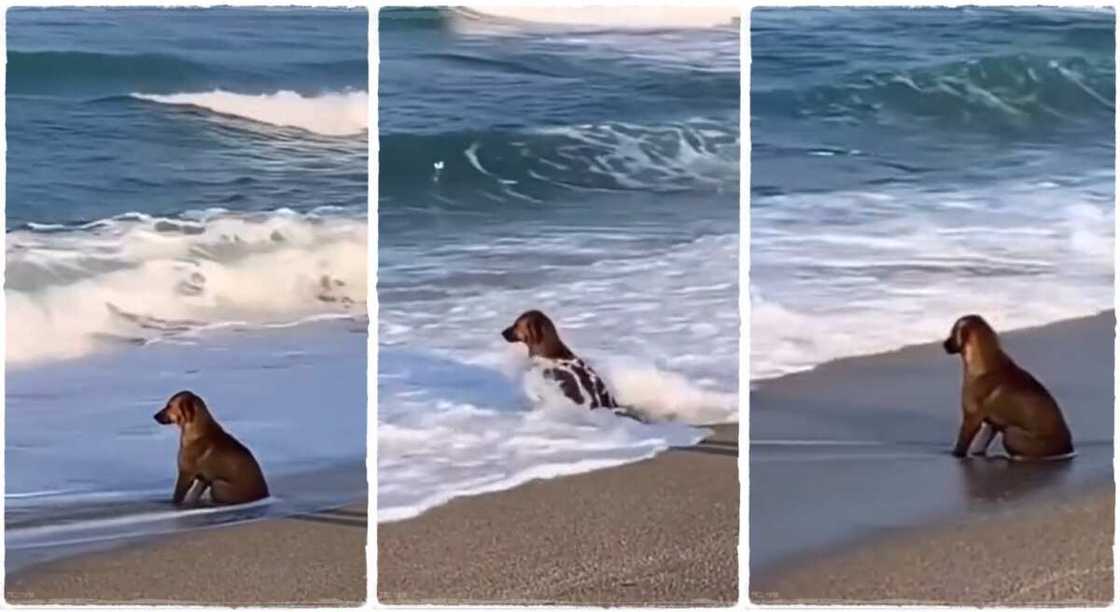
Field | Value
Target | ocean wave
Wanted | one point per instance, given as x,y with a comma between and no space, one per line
137,278
329,114
436,442
1019,254
597,17
994,92
699,154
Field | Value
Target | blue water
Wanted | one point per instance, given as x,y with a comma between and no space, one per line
588,171
910,166
186,208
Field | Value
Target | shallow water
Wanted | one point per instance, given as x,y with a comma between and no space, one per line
88,465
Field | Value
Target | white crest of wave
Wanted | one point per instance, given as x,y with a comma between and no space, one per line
668,396
135,278
330,114
613,17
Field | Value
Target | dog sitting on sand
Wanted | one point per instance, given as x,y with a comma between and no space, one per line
1003,398
560,366
210,458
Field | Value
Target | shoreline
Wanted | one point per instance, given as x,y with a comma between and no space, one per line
249,563
648,532
851,458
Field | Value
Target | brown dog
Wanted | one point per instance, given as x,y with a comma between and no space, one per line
557,363
1005,398
209,456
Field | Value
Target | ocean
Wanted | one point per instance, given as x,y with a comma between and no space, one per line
589,172
912,166
186,208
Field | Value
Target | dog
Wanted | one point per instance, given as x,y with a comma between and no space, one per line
558,364
1003,398
209,457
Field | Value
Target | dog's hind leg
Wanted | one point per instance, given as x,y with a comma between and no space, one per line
983,439
198,487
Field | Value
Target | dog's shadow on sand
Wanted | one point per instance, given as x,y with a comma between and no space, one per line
433,377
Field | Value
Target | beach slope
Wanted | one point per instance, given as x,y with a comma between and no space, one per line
662,531
1057,555
850,463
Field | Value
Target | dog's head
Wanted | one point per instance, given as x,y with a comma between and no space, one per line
532,327
182,409
967,329
538,333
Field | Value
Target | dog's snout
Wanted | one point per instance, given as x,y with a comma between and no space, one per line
950,346
507,333
161,417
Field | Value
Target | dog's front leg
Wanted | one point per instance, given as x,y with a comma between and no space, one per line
182,485
969,426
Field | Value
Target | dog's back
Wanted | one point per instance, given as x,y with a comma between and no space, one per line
1024,403
581,384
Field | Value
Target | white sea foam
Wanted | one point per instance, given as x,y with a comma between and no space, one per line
137,278
669,157
454,416
1018,254
330,114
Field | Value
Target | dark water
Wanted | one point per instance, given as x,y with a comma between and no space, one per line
910,165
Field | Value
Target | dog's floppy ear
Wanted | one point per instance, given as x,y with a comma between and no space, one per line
189,405
960,333
534,330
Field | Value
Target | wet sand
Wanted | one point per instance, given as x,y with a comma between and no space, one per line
857,450
661,531
310,559
1059,554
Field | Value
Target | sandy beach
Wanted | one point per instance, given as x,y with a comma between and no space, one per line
850,461
1057,554
662,531
309,559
